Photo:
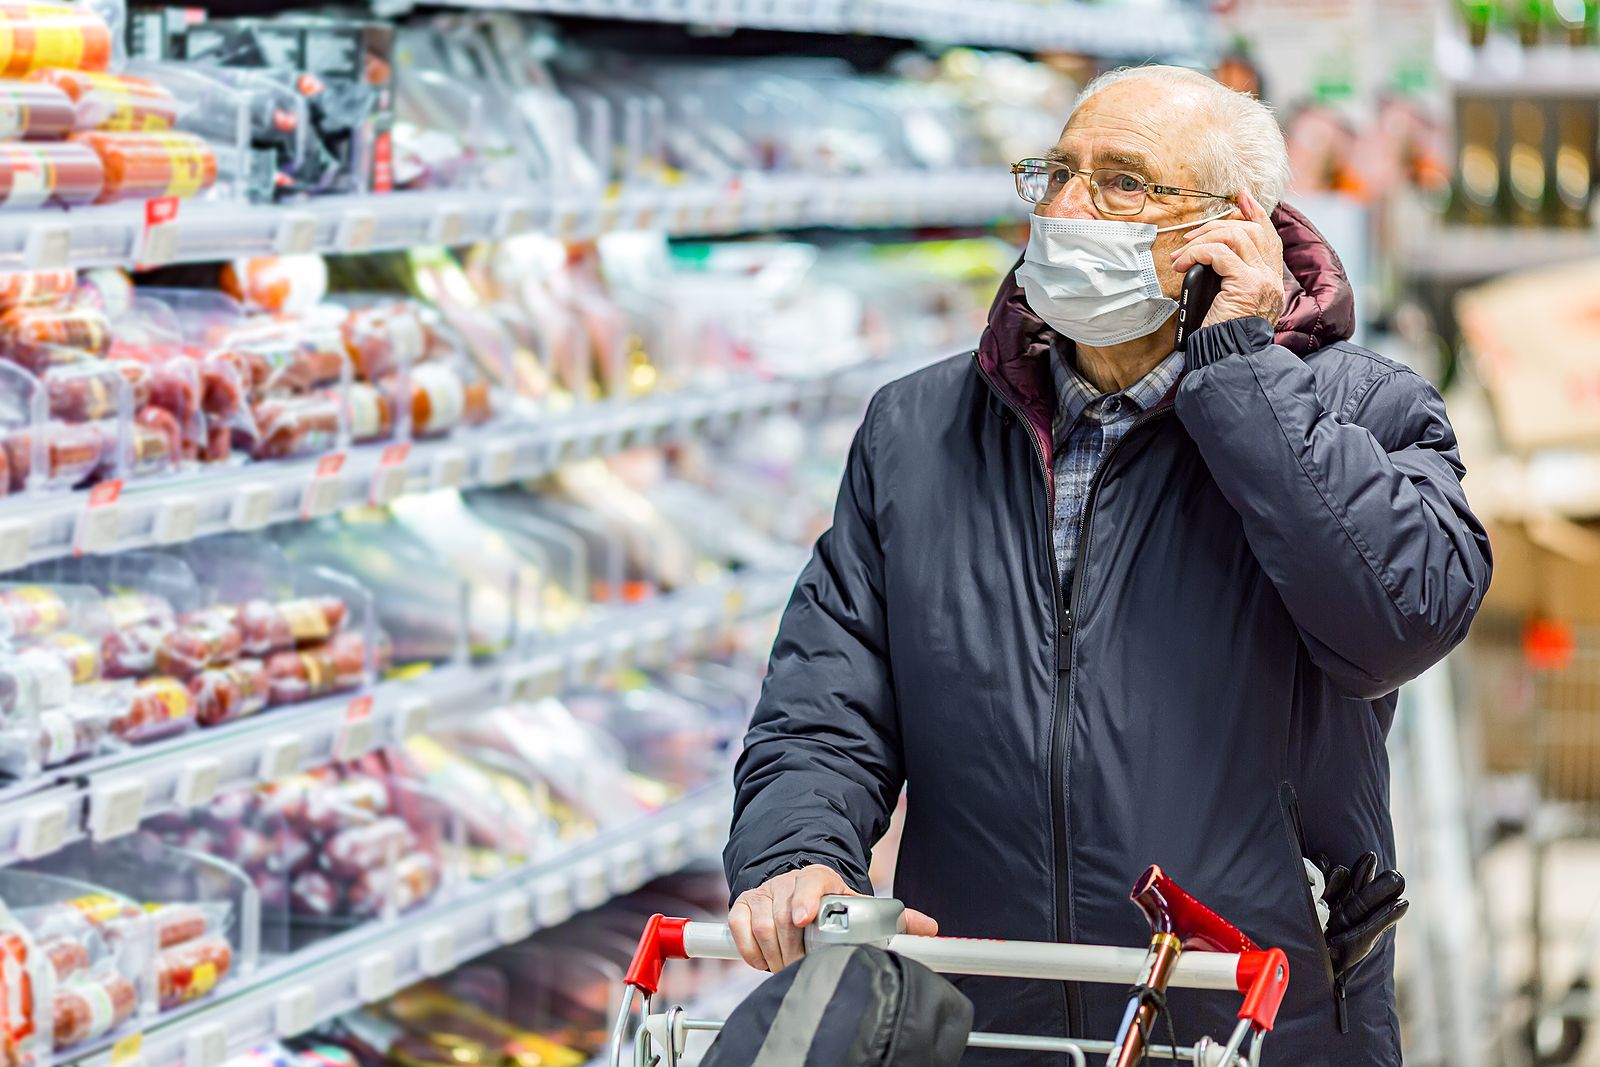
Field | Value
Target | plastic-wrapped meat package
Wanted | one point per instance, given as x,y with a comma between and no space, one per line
289,355
35,173
34,286
269,626
121,102
223,694
30,111
72,731
139,622
78,653
191,970
371,412
87,390
321,805
50,34
385,339
157,443
149,165
360,849
295,425
90,1006
150,710
409,881
336,664
72,453
202,639
35,335
279,284
28,611
442,399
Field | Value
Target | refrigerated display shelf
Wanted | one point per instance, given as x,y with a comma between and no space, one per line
293,994
118,235
250,497
1468,253
113,795
1063,26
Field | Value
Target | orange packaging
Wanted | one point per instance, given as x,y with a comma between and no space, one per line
149,165
35,286
113,101
52,35
34,173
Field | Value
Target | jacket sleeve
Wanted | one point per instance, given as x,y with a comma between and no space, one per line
1357,517
821,768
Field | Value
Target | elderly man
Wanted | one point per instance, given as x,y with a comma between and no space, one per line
1097,603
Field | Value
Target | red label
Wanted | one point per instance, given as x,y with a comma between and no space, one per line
105,493
330,465
360,708
383,163
161,209
395,455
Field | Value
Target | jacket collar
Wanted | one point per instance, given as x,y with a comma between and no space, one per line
1319,310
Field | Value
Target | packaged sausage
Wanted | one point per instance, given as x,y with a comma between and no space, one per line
330,807
29,611
32,335
223,694
191,970
271,627
131,652
71,454
296,425
67,955
279,284
35,173
152,709
71,732
122,102
86,391
353,852
30,111
34,35
384,339
157,443
442,399
313,893
147,165
371,412
128,611
49,678
409,881
202,639
92,1005
80,654
339,663
177,923
34,286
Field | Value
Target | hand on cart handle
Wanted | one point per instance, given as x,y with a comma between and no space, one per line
768,921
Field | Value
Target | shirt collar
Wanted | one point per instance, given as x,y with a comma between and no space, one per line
1074,393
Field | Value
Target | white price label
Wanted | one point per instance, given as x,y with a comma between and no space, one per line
357,735
411,718
628,869
100,521
280,757
513,918
498,460
533,680
552,902
668,846
252,507
356,231
583,665
295,1011
436,950
16,537
514,217
325,489
159,244
590,887
448,226
206,1046
198,782
388,482
116,808
176,519
43,829
449,468
375,976
49,247
297,234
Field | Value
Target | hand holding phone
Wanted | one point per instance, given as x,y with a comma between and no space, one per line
1200,287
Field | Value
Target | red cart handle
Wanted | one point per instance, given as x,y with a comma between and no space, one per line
1173,911
1263,979
662,941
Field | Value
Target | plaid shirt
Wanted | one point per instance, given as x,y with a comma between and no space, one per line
1087,423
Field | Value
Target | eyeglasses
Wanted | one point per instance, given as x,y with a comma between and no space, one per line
1115,192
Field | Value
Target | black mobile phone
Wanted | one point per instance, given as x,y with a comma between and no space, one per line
1200,287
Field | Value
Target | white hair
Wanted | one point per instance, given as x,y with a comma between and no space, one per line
1243,147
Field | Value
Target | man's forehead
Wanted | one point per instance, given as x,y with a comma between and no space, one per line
1100,154
1133,125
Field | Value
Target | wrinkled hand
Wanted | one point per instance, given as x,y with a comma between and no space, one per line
1247,255
767,921
1363,904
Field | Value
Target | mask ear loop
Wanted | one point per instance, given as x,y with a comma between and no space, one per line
1199,222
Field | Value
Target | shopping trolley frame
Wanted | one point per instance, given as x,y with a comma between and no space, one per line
1260,975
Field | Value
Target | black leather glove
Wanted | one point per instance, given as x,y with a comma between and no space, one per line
1362,904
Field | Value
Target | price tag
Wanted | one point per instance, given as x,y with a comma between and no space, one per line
534,680
515,217
583,665
176,520
325,489
206,1046
628,869
295,1011
116,808
356,231
552,902
158,242
49,247
375,976
99,522
411,718
356,736
197,782
449,468
389,480
16,537
498,459
668,846
448,226
280,757
513,918
128,1052
43,829
590,888
297,234
252,507
436,950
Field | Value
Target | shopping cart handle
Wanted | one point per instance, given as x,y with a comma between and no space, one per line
1267,972
662,941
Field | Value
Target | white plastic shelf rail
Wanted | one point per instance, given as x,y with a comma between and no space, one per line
116,235
295,993
1051,26
1468,253
251,497
111,796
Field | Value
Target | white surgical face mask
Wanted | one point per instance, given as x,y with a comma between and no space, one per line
1095,281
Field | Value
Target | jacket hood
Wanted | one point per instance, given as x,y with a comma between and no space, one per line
1319,310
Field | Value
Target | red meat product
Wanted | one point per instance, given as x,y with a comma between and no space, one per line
177,923
218,446
155,708
71,732
148,165
192,970
222,386
34,173
33,610
409,882
67,955
79,654
52,35
295,425
35,336
157,442
351,853
91,1006
292,855
203,639
72,453
33,286
29,111
79,396
382,340
113,101
316,671
371,412
313,893
127,611
355,801
131,653
271,627
223,694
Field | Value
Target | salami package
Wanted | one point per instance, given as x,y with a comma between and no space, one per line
147,165
38,35
120,102
31,111
35,173
334,665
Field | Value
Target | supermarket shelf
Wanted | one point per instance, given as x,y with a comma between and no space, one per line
114,794
254,496
337,975
1062,26
115,235
1464,253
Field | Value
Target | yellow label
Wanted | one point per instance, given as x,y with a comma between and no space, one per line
97,907
188,166
127,1050
306,620
78,653
203,979
173,696
54,45
125,612
8,43
316,677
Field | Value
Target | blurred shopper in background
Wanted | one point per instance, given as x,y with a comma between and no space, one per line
1096,602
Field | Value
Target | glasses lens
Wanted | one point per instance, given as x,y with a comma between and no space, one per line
1033,181
1118,192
